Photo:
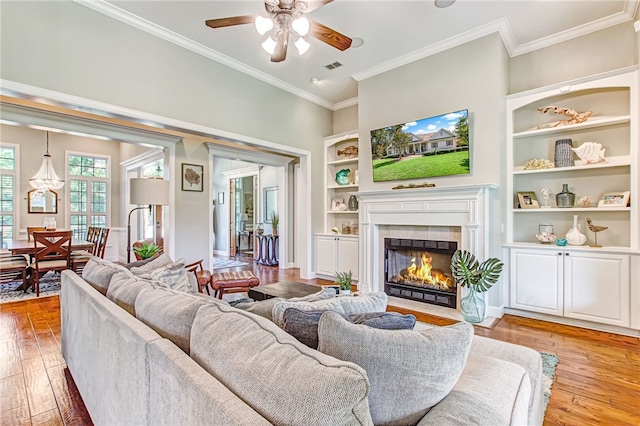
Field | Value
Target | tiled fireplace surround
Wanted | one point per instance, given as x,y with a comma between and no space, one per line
452,213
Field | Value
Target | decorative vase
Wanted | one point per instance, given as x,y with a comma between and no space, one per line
259,229
565,198
574,236
472,307
342,177
345,292
563,156
353,203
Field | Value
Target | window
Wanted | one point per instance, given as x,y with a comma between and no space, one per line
88,193
449,142
8,190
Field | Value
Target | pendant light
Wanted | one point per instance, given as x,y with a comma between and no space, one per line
46,178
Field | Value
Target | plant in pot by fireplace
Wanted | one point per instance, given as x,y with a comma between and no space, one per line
343,279
479,277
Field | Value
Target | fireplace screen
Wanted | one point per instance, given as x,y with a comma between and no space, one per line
420,270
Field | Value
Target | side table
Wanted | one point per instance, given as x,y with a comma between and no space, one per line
267,250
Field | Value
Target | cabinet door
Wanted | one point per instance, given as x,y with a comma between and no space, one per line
536,280
348,255
597,287
326,247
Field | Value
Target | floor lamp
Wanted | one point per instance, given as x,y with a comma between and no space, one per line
147,192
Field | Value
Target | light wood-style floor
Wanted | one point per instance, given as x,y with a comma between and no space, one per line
597,380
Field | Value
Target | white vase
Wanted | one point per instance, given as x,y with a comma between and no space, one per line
574,236
345,292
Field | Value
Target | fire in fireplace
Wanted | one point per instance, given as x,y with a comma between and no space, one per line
419,270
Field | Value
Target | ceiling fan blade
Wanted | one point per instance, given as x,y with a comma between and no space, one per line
329,36
228,22
315,4
280,52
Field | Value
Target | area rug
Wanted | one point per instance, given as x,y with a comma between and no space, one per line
49,286
549,364
219,263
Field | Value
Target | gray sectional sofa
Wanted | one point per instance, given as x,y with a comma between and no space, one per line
142,353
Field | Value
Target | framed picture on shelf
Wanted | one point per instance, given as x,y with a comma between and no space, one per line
335,204
614,199
192,175
527,200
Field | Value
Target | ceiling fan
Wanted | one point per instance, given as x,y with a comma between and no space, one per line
286,21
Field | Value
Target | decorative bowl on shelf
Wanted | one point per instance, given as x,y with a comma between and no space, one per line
342,177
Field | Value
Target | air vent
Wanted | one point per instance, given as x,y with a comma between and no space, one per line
333,65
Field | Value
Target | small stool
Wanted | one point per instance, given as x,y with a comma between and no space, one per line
233,282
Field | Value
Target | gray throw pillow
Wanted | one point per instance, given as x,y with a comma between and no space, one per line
264,308
409,371
303,325
370,302
142,262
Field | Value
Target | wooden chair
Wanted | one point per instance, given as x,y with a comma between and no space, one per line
52,253
13,267
101,244
32,229
203,277
98,236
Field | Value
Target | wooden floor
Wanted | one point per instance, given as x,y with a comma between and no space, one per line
597,380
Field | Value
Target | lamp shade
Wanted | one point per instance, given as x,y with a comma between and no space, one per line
149,191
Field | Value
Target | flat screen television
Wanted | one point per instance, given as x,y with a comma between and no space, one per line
430,147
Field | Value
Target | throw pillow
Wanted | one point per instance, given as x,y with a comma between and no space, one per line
370,302
172,275
264,308
142,262
156,262
409,371
98,273
303,325
279,377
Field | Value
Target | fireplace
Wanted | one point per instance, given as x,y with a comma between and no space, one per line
420,270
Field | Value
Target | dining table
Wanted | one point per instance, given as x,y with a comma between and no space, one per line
28,247
25,247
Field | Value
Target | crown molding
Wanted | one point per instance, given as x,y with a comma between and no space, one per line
345,104
172,37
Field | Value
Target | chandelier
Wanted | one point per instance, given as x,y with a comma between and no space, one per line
46,178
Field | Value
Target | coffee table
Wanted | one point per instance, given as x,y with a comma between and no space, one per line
284,289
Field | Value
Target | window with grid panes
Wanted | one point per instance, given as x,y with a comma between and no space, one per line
88,193
7,191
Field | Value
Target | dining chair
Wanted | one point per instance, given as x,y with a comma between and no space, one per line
79,258
32,229
202,277
13,267
52,253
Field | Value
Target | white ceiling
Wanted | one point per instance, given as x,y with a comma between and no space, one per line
394,33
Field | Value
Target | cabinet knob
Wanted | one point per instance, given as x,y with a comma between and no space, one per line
566,254
560,253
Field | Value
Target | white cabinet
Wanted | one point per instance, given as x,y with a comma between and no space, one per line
571,283
589,282
336,254
537,281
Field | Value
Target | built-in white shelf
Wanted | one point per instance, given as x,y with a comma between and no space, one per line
574,209
617,161
591,122
342,212
342,186
343,161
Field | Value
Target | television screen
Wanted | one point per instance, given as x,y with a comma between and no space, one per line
434,146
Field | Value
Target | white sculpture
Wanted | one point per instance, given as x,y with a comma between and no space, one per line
546,192
590,152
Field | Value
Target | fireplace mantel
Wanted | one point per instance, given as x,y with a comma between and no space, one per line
463,206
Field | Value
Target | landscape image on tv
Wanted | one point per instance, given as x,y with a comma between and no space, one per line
434,146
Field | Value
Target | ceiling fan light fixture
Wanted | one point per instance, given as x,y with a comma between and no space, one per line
263,24
301,26
302,46
269,45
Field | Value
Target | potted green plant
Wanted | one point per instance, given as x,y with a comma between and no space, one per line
275,220
343,279
478,277
146,249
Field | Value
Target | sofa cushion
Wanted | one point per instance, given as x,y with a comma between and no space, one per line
303,325
489,392
157,262
124,289
372,302
169,312
409,371
174,275
98,272
279,377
